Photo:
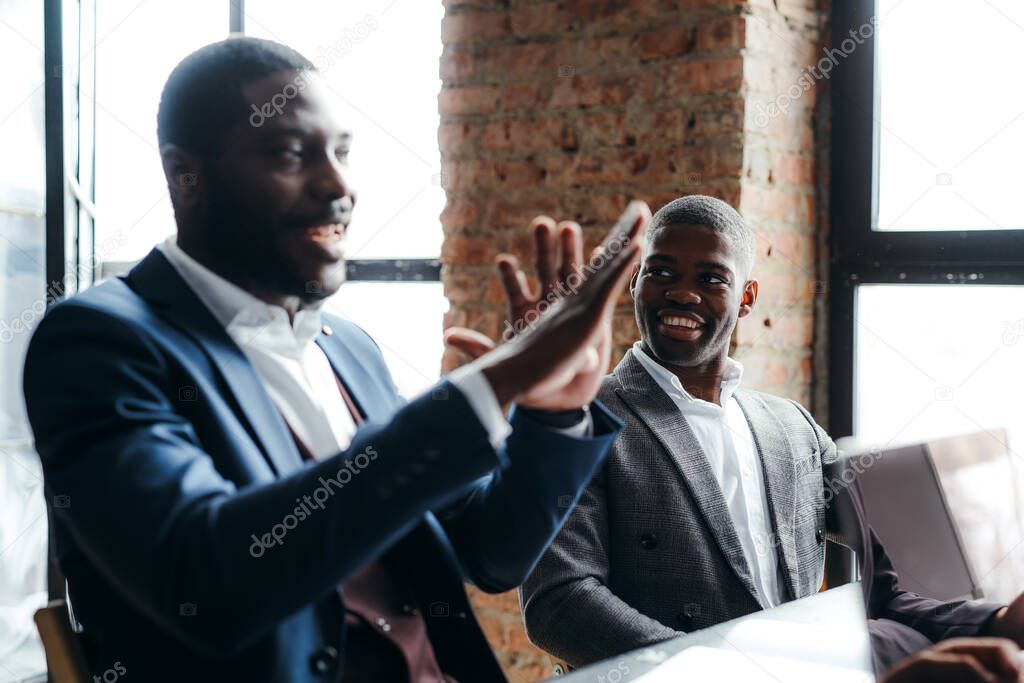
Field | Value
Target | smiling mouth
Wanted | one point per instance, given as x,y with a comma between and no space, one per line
680,327
678,321
326,234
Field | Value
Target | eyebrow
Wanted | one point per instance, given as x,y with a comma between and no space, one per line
714,265
284,130
711,265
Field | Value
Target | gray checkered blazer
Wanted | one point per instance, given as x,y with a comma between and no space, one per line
650,549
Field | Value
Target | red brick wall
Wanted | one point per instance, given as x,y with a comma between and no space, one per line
779,197
573,107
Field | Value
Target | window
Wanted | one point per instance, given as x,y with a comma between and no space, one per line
381,61
948,127
928,233
938,360
23,551
137,46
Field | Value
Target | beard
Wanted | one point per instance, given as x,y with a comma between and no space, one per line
245,244
711,346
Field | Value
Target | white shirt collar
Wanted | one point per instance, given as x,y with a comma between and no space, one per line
233,307
670,384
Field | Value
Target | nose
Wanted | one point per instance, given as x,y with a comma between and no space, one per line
331,182
683,295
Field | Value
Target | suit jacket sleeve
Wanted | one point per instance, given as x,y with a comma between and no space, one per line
568,607
151,512
501,528
935,619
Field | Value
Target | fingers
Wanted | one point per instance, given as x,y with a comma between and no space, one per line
631,225
952,668
620,249
998,655
543,229
623,269
570,236
513,281
470,342
604,285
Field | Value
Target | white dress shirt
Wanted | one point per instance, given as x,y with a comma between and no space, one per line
725,437
295,371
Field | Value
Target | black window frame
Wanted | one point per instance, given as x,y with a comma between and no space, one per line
861,255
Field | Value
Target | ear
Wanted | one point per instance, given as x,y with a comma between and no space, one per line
632,280
182,170
749,297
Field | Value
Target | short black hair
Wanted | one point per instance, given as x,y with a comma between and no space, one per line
714,214
202,98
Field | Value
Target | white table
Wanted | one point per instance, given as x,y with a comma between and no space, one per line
823,637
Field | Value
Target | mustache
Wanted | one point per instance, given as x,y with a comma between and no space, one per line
337,212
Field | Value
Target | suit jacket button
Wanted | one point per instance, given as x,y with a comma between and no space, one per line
649,541
323,660
819,536
685,622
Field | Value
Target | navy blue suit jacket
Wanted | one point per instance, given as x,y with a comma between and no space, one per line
167,461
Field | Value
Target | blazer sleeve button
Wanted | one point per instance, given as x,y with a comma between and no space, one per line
323,660
649,541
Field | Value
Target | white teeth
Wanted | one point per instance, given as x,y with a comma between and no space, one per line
676,321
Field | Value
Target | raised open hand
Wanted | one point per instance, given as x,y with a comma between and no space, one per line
558,251
558,339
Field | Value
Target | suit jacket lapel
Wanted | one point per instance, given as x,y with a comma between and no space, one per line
650,404
780,478
155,280
368,392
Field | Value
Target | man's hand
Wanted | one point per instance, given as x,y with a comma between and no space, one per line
557,273
560,341
961,660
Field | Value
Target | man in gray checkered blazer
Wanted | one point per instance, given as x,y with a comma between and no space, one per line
712,503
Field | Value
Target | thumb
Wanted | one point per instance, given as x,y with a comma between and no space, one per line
470,342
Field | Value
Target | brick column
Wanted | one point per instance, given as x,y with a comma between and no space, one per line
573,107
779,188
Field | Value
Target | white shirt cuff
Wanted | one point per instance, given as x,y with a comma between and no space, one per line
474,386
583,428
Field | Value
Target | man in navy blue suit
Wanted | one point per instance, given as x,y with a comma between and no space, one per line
243,494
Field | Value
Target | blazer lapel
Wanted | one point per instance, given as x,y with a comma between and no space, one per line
655,409
369,392
776,454
155,280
